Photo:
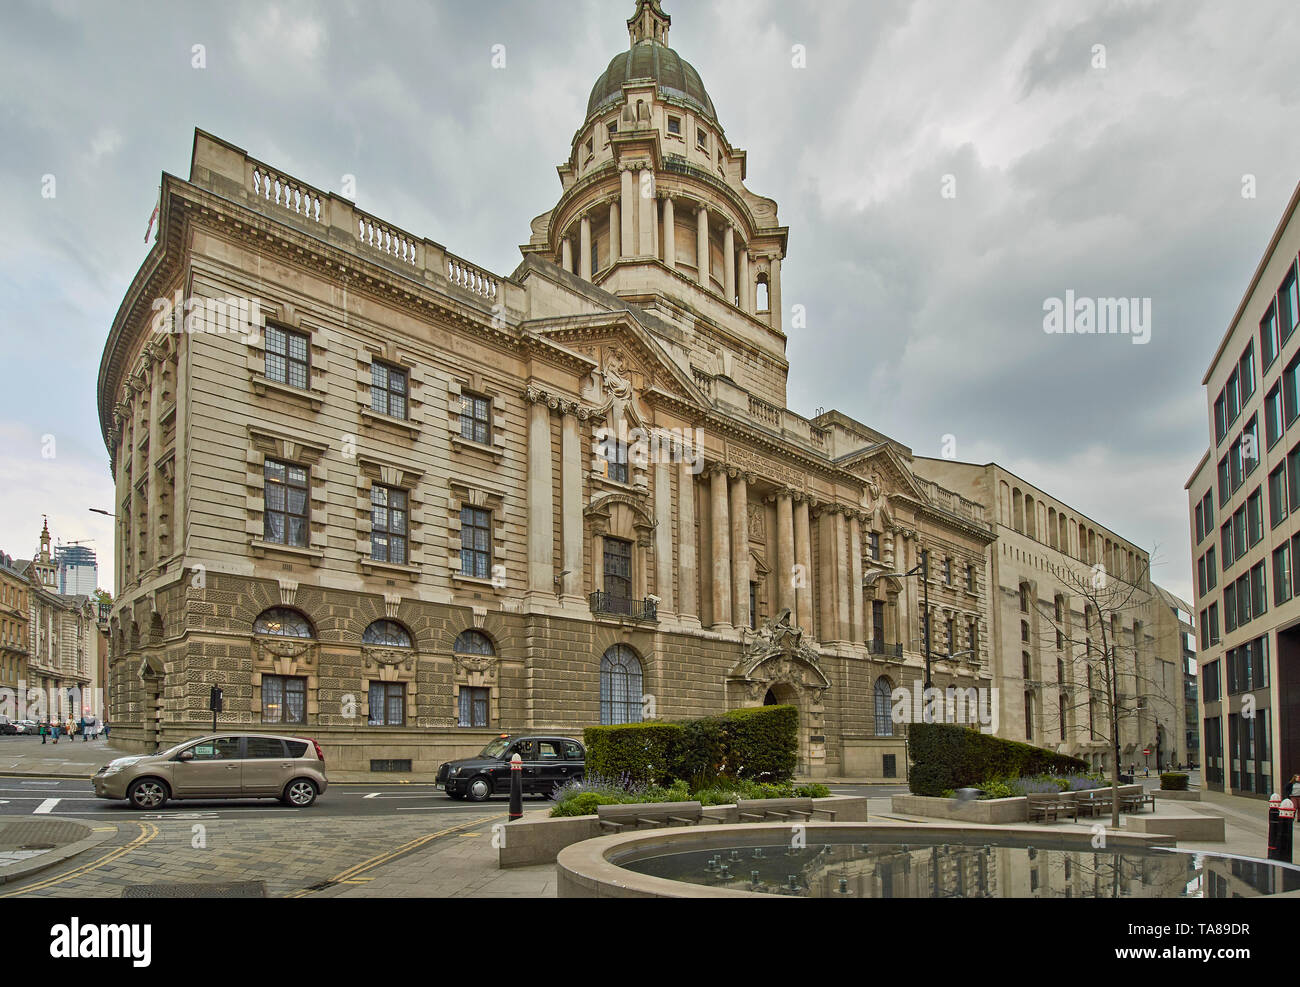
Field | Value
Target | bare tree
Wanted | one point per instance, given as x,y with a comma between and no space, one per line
1095,651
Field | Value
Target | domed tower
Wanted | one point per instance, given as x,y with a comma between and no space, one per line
654,208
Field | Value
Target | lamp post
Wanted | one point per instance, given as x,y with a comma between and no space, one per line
922,569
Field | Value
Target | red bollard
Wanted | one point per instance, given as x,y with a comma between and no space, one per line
1285,820
1274,827
517,788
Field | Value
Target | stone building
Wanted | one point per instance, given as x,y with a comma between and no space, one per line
1045,636
14,627
63,638
1243,504
390,499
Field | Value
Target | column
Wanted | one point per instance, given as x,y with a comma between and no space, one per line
179,486
664,538
702,245
139,468
540,502
803,558
566,255
859,632
740,549
154,530
746,287
826,612
843,629
670,238
584,249
774,293
627,210
729,265
571,504
785,553
687,574
614,234
721,549
649,228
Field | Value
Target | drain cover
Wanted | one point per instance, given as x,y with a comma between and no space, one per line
229,889
38,846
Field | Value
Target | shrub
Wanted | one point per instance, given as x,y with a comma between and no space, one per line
1173,781
762,742
644,752
947,756
583,804
998,788
703,751
812,792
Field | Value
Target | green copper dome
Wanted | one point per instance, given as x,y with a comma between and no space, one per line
673,76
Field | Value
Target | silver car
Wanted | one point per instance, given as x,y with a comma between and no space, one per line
219,766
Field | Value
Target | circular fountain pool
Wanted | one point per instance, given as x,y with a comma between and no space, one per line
883,860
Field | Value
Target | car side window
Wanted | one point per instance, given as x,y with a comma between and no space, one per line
526,749
221,749
263,747
572,752
548,750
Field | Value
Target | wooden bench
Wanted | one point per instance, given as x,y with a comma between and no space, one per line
1093,803
1134,802
1052,807
651,814
762,810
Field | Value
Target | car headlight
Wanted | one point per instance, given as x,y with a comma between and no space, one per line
453,772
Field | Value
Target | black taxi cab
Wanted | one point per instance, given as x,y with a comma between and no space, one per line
547,762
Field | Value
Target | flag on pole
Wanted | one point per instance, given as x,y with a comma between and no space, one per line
154,215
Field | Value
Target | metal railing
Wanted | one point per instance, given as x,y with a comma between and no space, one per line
876,646
622,606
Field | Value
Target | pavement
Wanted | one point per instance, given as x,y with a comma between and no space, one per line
69,758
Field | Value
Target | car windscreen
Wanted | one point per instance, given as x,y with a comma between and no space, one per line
496,748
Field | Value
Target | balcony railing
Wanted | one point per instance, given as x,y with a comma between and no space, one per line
622,606
878,647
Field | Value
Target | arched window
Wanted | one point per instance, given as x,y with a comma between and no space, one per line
388,633
283,622
473,643
620,686
761,298
884,721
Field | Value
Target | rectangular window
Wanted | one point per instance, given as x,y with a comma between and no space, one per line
1205,629
1293,479
1254,517
1214,623
388,390
1230,607
1220,418
1258,596
1244,586
284,699
1235,461
475,419
615,452
1225,490
1200,524
970,578
947,571
1234,396
473,707
1207,502
475,542
674,125
1291,390
387,704
1246,373
1288,304
618,568
284,520
388,528
1250,444
1281,574
286,357
1239,533
1274,425
1210,682
1211,570
1268,340
873,546
1277,496
701,138
952,635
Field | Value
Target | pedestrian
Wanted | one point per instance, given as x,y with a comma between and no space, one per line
54,729
81,725
1293,787
106,731
43,729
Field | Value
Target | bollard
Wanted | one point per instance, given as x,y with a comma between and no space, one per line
516,788
1285,820
1274,828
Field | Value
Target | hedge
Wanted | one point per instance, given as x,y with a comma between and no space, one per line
703,753
945,756
762,742
644,752
1173,781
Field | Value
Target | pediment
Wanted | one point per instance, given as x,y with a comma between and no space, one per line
885,472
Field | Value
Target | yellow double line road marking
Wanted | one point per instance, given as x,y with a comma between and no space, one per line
352,874
147,832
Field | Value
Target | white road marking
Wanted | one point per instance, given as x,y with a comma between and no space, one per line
372,795
46,806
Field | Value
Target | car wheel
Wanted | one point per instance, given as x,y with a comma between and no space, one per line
300,793
147,793
480,789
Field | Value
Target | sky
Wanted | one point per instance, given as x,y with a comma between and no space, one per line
944,168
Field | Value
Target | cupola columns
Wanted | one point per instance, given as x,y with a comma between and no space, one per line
646,192
774,295
627,209
702,246
566,255
584,248
670,234
746,300
729,265
614,235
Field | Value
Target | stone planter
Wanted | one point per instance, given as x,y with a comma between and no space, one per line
1187,795
988,812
